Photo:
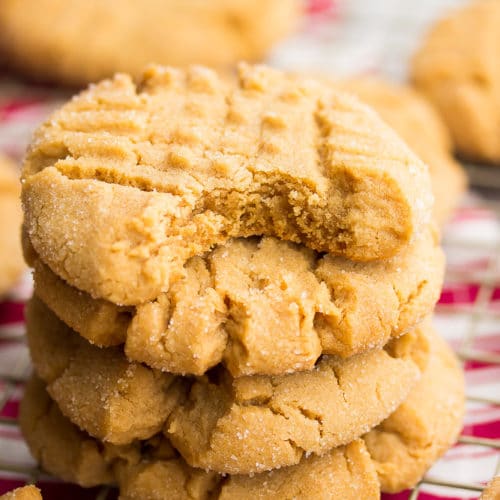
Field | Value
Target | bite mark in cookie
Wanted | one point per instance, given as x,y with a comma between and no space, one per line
126,182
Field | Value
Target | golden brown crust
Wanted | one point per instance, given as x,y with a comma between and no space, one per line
24,493
252,424
121,189
57,444
419,124
345,472
11,260
260,306
146,470
231,425
219,33
98,389
457,69
406,444
492,490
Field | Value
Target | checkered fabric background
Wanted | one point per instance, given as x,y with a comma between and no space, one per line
338,37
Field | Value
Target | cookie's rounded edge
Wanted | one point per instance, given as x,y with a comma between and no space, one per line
58,445
456,68
11,260
422,429
419,124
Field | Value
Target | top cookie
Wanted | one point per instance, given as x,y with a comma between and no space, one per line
92,39
125,183
418,123
457,68
11,259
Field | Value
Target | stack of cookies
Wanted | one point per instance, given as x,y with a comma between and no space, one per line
232,288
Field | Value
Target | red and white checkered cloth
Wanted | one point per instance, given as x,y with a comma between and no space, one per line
341,37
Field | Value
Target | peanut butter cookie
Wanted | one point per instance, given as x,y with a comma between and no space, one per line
11,259
24,493
127,182
148,469
260,306
242,425
99,389
457,69
128,35
253,424
154,471
406,444
60,447
492,490
419,124
345,473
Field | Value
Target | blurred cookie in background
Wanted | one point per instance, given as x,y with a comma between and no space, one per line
457,68
81,41
418,123
11,259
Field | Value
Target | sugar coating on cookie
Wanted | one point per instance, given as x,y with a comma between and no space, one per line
11,259
128,35
127,181
346,472
258,423
23,493
242,425
54,441
261,307
406,444
492,490
148,469
98,389
420,125
457,69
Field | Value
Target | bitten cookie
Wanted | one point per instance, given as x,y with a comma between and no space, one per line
242,425
126,182
457,69
24,493
418,123
262,306
128,35
11,259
